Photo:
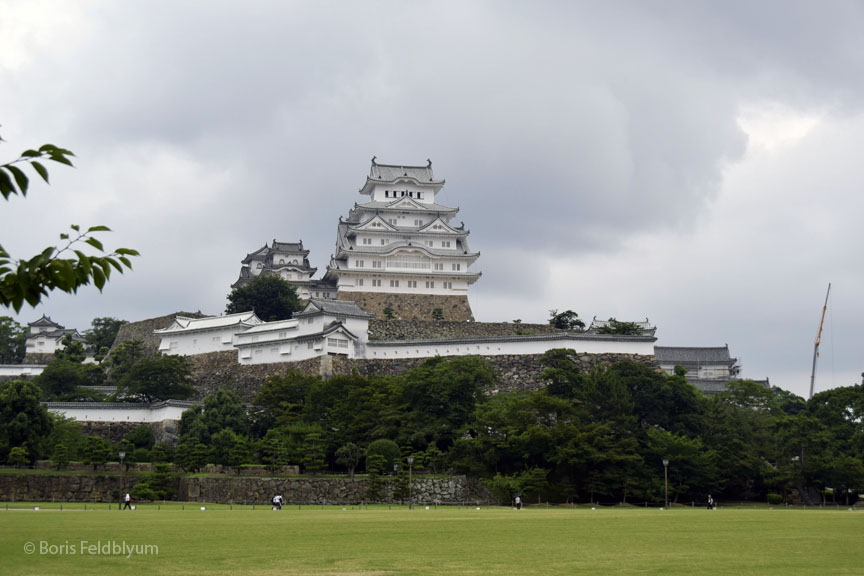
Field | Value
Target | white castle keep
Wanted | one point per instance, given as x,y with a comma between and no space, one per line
398,249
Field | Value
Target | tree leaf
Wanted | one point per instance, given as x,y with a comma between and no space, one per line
41,170
95,243
6,186
20,178
98,278
98,229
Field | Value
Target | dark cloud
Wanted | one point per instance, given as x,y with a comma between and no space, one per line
567,132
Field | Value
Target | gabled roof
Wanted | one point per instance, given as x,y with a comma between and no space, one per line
45,321
276,325
368,224
183,324
259,254
421,206
393,172
321,306
693,354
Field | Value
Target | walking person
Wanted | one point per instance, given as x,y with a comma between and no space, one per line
127,502
518,500
710,502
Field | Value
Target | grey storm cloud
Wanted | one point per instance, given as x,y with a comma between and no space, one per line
564,129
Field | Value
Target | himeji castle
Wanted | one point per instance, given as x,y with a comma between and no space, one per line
398,253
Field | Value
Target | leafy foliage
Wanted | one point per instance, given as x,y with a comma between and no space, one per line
567,320
271,297
29,280
620,328
13,340
23,420
102,334
159,378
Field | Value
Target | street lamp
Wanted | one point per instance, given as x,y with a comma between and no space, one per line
666,480
122,455
410,483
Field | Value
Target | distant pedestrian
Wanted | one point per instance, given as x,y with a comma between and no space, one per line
277,502
518,501
127,502
710,502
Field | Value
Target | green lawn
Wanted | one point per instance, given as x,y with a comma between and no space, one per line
445,541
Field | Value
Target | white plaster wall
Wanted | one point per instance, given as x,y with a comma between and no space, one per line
134,414
199,342
492,348
14,370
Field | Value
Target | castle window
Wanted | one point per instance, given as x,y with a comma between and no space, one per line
448,285
418,222
359,281
394,283
430,284
439,266
457,266
412,283
376,283
386,193
283,334
260,265
419,195
383,242
357,264
367,241
376,264
445,244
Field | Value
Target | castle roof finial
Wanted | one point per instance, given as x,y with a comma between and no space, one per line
373,160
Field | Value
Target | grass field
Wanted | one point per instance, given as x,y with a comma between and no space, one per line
379,540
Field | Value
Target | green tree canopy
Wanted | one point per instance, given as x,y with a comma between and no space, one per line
23,420
620,328
271,297
102,333
159,378
567,320
13,341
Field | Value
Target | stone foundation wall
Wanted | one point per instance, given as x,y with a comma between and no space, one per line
64,488
412,306
38,358
143,330
515,372
311,490
425,330
239,490
167,431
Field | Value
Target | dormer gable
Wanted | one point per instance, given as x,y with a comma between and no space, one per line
375,224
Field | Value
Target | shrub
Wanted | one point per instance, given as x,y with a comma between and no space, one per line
387,449
775,498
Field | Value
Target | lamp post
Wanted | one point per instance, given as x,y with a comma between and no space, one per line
410,483
122,455
666,480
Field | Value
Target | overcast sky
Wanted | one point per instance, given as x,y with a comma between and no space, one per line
695,163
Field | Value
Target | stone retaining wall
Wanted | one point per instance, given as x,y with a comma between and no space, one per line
64,488
425,330
412,306
311,490
239,490
143,330
516,372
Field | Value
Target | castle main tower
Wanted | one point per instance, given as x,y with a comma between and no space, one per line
398,251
